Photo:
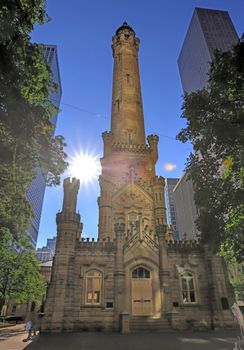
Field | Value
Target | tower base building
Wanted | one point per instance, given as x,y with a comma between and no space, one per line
134,277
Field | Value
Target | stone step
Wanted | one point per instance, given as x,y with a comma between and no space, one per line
145,323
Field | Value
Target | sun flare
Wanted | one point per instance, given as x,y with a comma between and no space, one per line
85,167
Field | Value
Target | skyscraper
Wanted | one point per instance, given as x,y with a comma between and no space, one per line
47,253
208,30
35,193
170,183
186,211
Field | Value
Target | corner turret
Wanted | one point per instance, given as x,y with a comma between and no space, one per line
71,188
68,220
153,144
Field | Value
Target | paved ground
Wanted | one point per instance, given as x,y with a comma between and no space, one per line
12,339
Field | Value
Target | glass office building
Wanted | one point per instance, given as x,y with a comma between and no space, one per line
35,193
170,184
208,30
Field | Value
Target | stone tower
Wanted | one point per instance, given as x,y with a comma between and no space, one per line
130,192
59,304
134,277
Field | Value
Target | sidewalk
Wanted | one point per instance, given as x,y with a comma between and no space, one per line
12,339
220,340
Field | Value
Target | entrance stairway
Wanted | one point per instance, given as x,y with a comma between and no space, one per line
148,324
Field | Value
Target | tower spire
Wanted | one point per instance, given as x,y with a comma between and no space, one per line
127,121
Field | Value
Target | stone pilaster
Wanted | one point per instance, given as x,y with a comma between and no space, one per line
119,273
159,201
215,273
163,269
105,210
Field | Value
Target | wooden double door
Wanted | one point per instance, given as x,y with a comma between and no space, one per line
142,295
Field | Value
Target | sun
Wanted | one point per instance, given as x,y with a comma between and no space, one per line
85,167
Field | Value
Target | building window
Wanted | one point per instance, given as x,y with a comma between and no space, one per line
93,287
188,290
118,105
140,272
225,304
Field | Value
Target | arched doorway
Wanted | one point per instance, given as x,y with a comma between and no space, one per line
141,287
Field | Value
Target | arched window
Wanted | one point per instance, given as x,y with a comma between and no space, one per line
140,272
188,290
93,287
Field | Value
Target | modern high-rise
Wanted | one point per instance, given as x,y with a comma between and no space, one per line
35,193
47,252
208,30
186,212
170,184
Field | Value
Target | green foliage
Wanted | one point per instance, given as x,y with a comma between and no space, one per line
19,276
238,284
215,126
235,269
26,131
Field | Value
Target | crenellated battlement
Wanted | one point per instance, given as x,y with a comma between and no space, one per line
124,147
97,245
152,139
71,183
182,245
107,135
97,240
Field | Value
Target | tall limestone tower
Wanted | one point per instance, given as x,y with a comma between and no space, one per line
134,277
130,192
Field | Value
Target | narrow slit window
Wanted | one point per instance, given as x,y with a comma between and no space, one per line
118,105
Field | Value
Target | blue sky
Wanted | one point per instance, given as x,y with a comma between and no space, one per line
82,30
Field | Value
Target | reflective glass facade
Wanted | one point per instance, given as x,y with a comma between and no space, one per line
208,30
35,193
170,184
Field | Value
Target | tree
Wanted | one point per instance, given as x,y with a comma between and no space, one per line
26,131
215,126
19,276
